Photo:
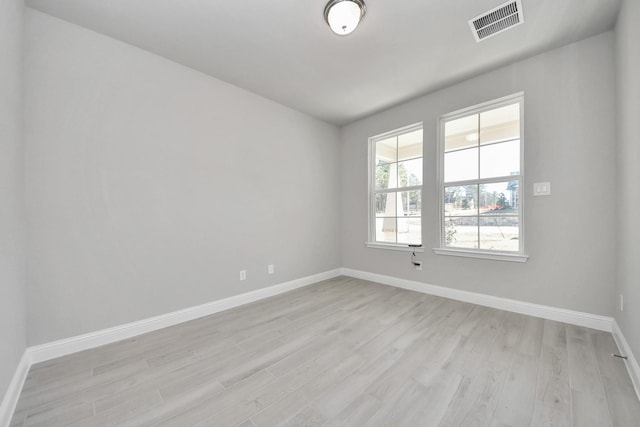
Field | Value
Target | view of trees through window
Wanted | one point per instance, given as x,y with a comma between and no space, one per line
481,179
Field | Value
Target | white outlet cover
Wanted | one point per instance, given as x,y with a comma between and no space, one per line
270,269
541,188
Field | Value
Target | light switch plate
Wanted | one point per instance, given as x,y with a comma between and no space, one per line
541,188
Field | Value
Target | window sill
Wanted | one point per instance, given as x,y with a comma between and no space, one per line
393,247
482,255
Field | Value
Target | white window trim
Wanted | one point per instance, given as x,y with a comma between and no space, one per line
372,243
519,256
394,246
494,255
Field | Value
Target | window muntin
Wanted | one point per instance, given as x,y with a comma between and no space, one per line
481,159
396,187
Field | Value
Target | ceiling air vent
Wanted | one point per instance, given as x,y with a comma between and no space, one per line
497,20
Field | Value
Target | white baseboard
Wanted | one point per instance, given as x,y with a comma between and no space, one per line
593,321
67,346
631,362
10,400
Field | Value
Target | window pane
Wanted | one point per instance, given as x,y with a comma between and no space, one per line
410,145
502,159
411,203
386,176
500,198
387,150
461,165
499,233
461,133
500,124
410,173
409,231
461,232
461,200
386,204
386,230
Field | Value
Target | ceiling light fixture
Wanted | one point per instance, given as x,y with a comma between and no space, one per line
343,16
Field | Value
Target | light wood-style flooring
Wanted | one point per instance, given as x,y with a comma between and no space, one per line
341,352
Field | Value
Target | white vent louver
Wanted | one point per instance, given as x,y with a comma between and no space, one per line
497,20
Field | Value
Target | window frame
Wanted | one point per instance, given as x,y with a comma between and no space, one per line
518,256
372,242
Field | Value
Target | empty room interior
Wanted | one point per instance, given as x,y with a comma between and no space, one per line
319,213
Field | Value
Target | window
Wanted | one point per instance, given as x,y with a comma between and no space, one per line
395,182
481,178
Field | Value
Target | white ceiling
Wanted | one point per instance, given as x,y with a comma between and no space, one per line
283,49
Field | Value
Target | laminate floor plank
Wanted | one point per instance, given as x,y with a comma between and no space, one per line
486,368
342,352
342,392
399,404
388,336
286,408
517,400
125,410
356,413
432,348
553,392
92,388
449,314
307,418
588,400
207,408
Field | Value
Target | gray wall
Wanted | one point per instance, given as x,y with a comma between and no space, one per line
150,185
569,140
12,262
628,208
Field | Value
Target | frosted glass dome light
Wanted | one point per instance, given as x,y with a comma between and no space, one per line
343,16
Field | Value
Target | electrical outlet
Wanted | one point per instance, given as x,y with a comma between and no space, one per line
243,274
419,266
270,269
621,302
